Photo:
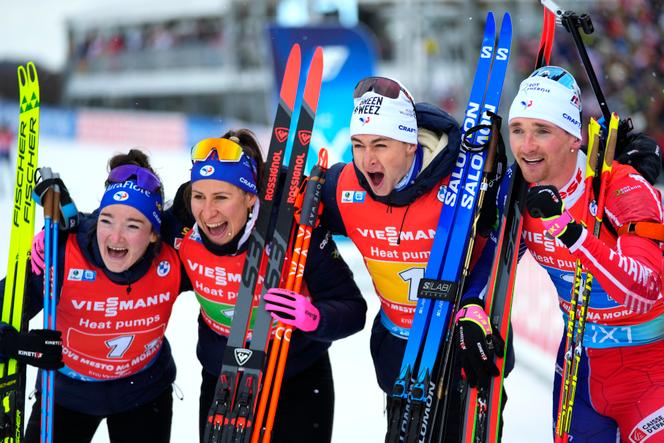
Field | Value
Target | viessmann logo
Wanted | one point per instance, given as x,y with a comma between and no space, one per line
112,305
394,236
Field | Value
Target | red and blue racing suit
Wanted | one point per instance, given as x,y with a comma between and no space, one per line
620,387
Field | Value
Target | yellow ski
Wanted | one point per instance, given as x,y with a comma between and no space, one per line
12,375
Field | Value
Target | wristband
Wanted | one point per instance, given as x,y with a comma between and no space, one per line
557,225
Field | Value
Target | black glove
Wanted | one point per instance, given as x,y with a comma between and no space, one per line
642,153
47,179
545,202
477,344
182,205
40,347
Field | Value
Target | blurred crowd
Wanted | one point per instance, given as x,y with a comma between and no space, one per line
144,38
627,52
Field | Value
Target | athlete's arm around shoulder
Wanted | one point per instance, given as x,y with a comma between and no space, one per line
330,283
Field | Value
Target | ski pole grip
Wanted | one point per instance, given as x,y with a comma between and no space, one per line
586,24
56,205
490,163
48,203
312,199
313,191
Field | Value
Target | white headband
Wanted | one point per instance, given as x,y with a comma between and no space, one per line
390,117
546,99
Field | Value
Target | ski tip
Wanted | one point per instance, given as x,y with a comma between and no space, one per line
291,76
314,79
507,20
32,72
490,18
490,26
22,76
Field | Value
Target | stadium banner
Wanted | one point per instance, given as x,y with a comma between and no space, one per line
150,130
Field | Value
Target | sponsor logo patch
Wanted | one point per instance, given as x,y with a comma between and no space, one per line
81,275
163,268
120,196
347,196
207,170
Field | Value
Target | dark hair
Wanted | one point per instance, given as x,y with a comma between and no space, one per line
247,139
133,157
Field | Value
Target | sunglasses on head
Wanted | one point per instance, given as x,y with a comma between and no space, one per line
381,86
143,176
220,149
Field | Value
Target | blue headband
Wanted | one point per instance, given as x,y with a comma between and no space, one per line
129,193
239,173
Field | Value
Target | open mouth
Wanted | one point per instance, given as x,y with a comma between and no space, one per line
116,253
217,229
376,178
532,161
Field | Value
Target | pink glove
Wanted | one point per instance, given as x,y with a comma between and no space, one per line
292,309
37,254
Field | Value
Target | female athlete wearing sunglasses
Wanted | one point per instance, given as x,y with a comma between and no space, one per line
117,285
220,205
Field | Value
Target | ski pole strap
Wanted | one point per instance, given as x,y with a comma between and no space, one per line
471,146
475,314
437,289
651,230
47,179
557,225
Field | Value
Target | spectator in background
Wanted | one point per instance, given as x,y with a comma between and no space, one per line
627,52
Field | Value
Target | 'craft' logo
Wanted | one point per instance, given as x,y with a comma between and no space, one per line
207,170
120,196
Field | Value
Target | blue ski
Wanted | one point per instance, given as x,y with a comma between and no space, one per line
438,293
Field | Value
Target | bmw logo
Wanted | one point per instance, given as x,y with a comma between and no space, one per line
441,193
163,268
593,208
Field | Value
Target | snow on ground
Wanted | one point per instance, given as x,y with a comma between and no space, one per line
359,403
